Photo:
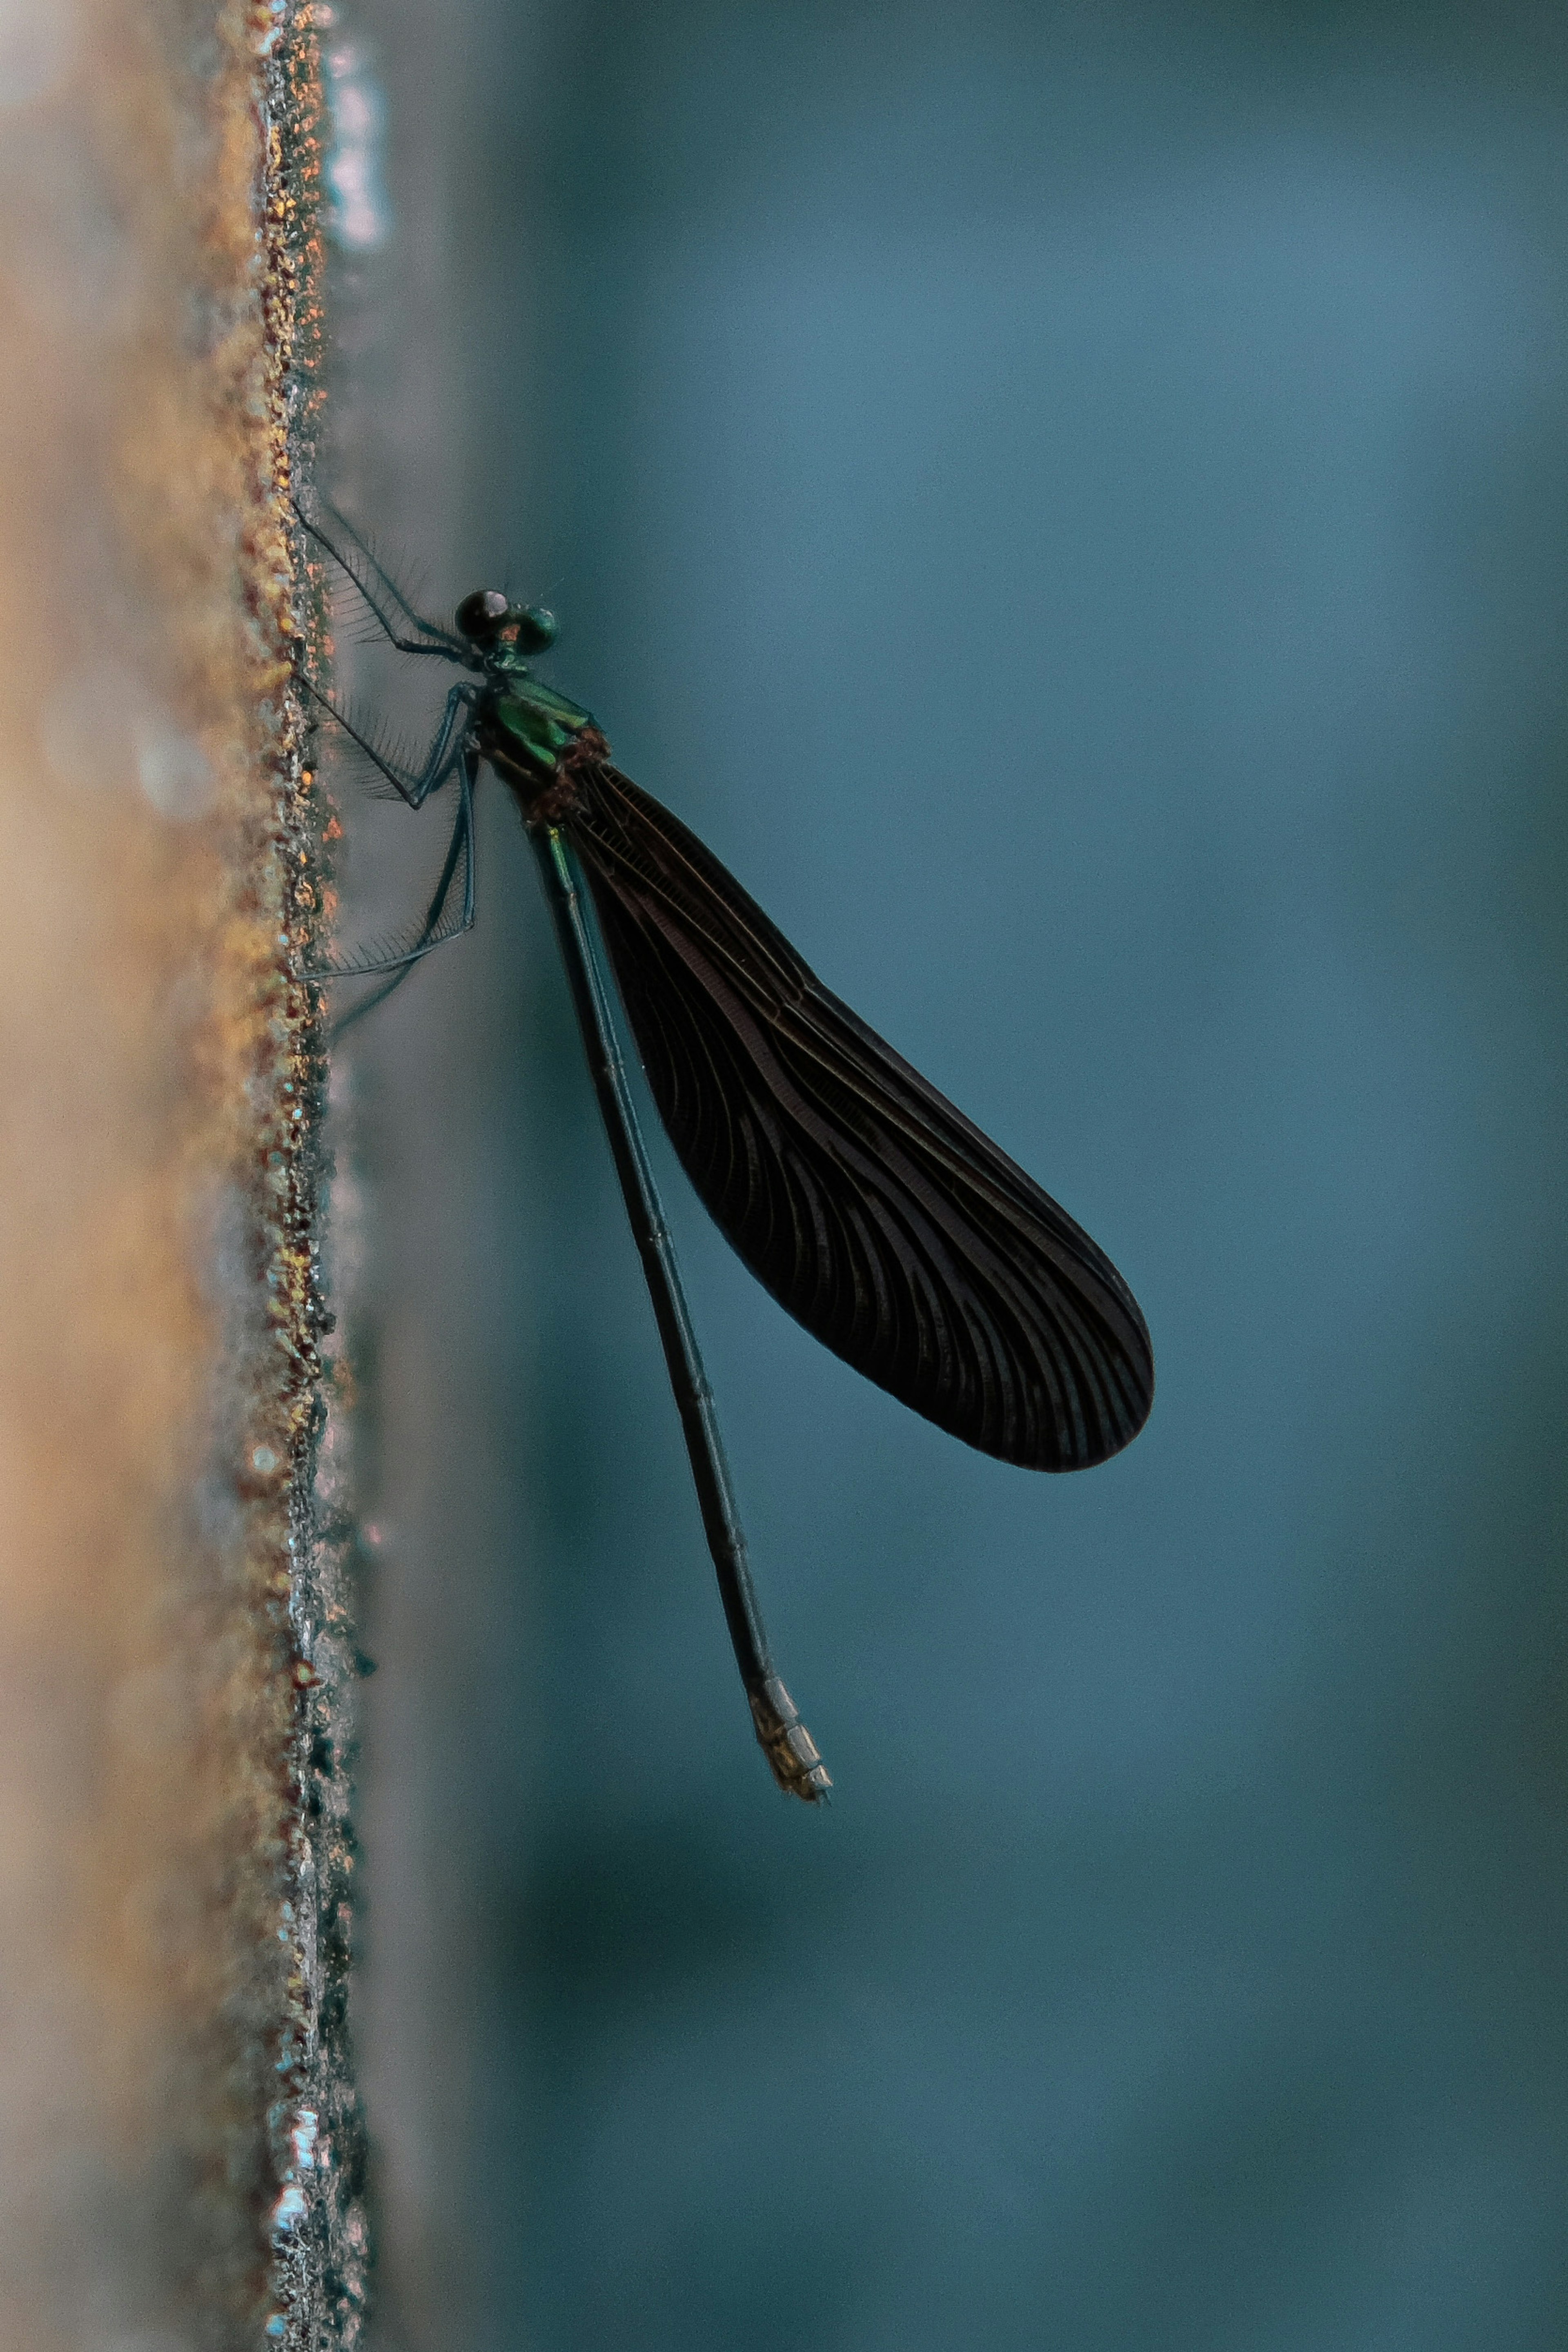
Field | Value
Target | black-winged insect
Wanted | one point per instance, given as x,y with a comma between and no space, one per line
872,1209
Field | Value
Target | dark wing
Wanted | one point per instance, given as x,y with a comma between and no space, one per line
887,1224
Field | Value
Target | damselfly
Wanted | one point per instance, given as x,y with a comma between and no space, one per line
870,1208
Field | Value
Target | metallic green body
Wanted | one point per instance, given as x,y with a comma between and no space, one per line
538,721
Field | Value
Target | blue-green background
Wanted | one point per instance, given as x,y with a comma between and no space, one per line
1072,504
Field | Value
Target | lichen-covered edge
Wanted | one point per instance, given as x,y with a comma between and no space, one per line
316,2227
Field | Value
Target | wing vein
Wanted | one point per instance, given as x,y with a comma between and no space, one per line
875,1213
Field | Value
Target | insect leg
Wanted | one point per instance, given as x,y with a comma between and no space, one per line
379,589
791,1751
432,933
415,787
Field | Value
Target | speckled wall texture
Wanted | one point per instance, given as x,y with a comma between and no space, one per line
159,1387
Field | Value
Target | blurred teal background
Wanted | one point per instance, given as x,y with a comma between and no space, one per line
1072,505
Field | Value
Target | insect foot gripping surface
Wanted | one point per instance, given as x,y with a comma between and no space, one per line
791,1752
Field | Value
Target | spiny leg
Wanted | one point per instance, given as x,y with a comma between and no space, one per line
430,935
446,744
448,750
432,638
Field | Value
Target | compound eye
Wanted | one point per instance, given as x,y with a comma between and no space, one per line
535,629
481,616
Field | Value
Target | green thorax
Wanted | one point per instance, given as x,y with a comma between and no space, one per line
535,720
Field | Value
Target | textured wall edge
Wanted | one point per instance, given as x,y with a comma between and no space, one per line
318,2225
